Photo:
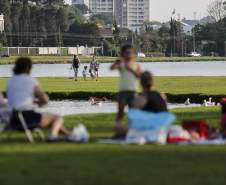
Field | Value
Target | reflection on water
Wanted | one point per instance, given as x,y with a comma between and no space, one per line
69,107
158,68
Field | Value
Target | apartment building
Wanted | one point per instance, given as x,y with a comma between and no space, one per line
1,23
132,13
101,6
128,13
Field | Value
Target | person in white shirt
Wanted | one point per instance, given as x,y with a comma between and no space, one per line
129,71
23,93
92,68
84,72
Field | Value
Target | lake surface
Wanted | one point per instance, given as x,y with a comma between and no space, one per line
69,107
158,68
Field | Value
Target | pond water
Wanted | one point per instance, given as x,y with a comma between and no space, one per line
158,68
69,107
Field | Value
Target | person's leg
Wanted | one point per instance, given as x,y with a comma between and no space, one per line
76,73
53,121
97,75
120,113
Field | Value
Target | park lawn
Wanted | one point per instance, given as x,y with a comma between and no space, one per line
91,164
172,85
105,59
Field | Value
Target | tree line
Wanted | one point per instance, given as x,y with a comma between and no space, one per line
52,23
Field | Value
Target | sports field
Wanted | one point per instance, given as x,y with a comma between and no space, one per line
88,164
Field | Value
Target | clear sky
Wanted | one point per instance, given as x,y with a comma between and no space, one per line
161,10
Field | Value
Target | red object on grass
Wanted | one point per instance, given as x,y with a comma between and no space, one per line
200,126
176,140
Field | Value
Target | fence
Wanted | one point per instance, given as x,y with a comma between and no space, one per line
36,51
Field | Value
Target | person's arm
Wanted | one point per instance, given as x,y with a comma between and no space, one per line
2,101
136,72
41,98
79,62
115,65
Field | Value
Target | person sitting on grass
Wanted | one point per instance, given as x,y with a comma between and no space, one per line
150,100
23,93
129,71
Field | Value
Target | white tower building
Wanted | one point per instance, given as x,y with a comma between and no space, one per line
2,27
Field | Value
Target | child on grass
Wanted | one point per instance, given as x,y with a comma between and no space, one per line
84,72
129,71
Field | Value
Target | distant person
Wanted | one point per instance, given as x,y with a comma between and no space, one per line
92,67
150,100
129,71
23,93
96,69
75,66
84,72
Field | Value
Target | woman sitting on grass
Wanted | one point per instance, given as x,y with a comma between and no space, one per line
150,100
23,92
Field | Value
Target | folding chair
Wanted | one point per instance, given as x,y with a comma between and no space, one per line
27,131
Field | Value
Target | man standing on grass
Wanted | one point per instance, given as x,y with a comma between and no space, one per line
75,66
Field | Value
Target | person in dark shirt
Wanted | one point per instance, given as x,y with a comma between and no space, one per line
75,66
150,100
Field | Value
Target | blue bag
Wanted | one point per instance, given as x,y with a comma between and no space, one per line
143,120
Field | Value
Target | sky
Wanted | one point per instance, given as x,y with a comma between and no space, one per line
161,10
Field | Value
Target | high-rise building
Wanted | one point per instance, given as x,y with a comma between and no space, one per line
1,22
101,6
131,13
127,13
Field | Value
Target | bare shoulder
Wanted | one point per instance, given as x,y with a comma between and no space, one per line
139,101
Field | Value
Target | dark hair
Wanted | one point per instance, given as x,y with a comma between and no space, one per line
22,65
223,105
146,79
125,48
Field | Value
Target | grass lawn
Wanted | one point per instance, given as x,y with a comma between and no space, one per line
96,164
172,85
85,59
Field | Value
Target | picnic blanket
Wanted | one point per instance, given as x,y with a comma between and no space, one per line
219,141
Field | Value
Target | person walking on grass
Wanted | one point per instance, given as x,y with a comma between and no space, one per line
75,66
23,93
96,69
129,71
92,67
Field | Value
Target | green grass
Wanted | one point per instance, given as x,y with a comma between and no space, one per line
90,164
85,59
172,85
